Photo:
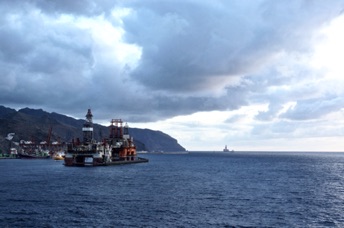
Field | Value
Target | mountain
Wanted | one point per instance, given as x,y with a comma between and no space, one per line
36,125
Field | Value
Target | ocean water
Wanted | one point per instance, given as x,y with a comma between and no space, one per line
177,190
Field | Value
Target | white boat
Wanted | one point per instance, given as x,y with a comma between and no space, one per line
59,155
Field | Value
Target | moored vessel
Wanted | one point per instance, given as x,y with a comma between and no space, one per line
31,150
117,149
60,155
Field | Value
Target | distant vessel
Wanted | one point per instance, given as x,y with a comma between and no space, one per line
118,149
227,150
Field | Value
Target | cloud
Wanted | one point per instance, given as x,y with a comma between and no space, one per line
76,7
186,50
314,108
152,60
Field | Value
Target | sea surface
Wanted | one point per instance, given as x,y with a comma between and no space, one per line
198,189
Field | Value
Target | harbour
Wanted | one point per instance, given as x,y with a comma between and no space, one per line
116,149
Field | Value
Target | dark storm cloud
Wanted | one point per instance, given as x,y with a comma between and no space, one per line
193,53
77,7
189,45
187,49
40,57
163,106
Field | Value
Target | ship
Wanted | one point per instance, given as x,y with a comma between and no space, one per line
227,150
117,149
60,155
38,150
31,150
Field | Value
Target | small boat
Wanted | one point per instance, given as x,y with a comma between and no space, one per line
58,156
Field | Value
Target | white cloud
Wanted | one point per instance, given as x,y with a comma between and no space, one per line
306,92
329,52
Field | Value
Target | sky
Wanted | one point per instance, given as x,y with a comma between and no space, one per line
254,75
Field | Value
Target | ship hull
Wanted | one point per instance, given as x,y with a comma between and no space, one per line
124,162
97,162
27,156
9,156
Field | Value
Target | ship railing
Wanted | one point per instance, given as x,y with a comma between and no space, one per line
84,153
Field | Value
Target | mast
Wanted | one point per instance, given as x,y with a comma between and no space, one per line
88,128
116,129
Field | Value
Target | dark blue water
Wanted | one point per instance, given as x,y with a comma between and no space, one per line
189,190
